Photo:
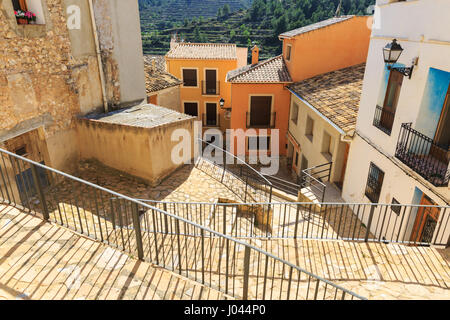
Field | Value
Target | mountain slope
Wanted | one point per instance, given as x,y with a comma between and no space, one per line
260,24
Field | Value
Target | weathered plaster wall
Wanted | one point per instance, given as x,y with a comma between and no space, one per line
142,152
170,98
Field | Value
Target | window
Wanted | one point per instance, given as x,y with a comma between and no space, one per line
296,159
288,52
294,113
309,129
258,143
210,85
374,183
191,108
327,147
189,77
395,206
260,112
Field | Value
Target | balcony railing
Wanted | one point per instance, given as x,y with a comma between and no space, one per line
423,155
211,122
210,88
383,119
256,121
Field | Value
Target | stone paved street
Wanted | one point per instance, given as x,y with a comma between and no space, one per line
40,260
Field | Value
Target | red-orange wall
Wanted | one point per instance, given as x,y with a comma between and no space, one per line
330,48
241,93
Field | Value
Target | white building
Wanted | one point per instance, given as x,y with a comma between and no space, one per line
400,152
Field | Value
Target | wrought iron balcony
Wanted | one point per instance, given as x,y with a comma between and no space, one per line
423,155
383,119
211,121
211,88
255,120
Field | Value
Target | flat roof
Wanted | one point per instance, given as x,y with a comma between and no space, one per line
144,116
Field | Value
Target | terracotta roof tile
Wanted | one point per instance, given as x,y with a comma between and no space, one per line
186,50
272,70
314,26
336,95
156,78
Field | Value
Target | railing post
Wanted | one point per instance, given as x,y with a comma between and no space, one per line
369,223
37,184
246,273
166,223
137,230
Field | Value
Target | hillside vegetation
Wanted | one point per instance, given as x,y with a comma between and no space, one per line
243,22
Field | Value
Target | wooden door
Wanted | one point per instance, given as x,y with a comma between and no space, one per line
391,99
426,221
344,165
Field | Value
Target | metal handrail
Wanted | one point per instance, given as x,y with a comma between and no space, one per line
238,159
368,222
136,208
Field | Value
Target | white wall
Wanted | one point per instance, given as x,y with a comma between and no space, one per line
422,28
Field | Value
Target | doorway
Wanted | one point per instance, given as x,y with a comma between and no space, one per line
426,221
211,115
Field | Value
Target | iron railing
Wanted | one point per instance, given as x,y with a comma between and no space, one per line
211,122
234,173
226,264
256,121
423,155
361,222
314,178
383,119
211,88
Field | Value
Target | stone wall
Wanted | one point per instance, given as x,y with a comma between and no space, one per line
37,87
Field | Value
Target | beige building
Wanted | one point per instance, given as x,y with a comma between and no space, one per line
136,140
322,120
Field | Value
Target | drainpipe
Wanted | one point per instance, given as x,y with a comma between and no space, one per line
99,57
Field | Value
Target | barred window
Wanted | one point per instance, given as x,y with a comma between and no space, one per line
396,206
374,183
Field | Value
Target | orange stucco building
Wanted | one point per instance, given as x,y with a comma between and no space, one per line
202,68
259,91
326,46
260,100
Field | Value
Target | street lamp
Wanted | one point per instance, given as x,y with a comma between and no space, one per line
222,102
391,54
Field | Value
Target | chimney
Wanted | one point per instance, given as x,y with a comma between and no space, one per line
173,41
255,54
154,64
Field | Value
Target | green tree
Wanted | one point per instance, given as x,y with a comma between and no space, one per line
226,10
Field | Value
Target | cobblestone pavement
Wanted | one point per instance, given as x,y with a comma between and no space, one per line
40,260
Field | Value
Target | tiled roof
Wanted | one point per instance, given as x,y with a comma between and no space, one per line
314,26
160,61
273,70
186,50
144,116
335,94
156,78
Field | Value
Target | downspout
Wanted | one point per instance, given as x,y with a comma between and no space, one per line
99,57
